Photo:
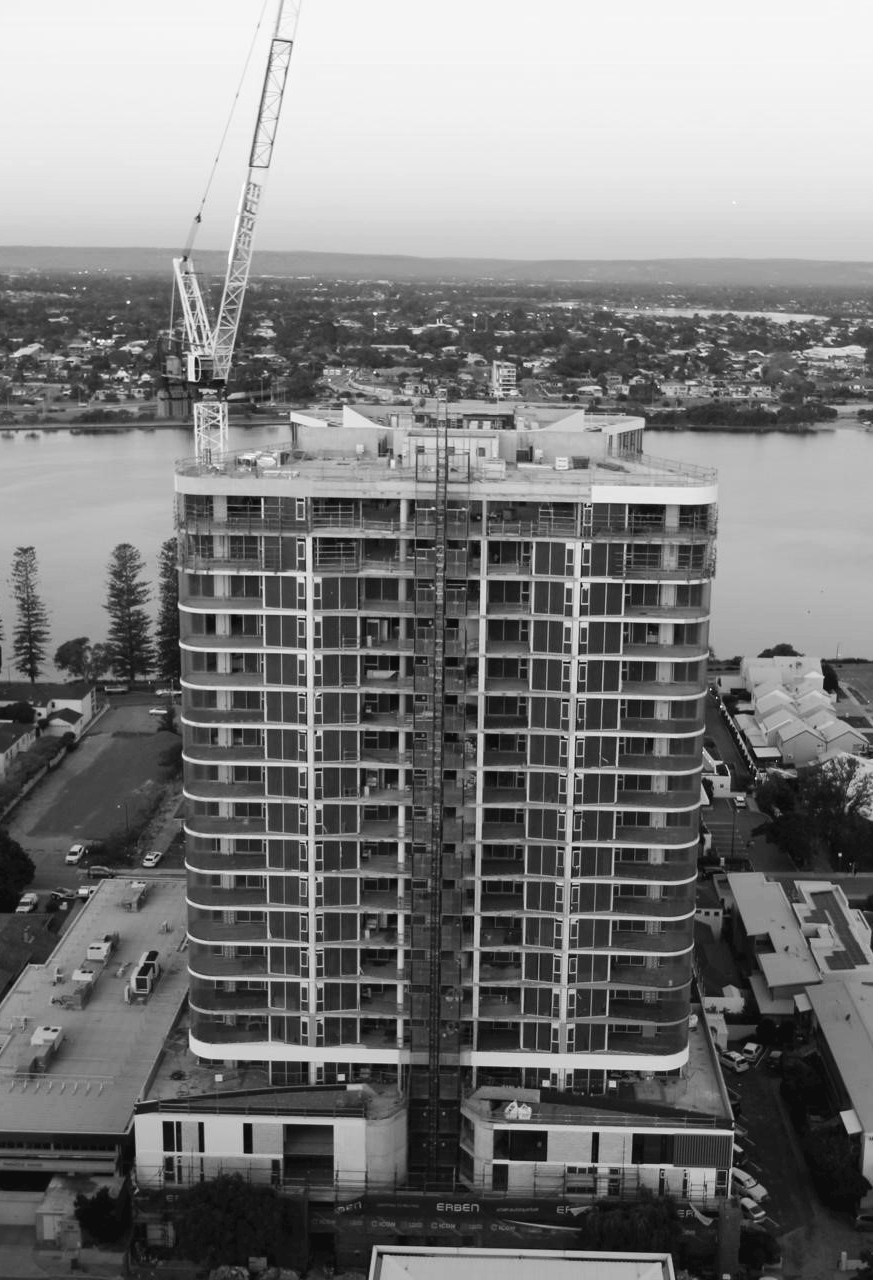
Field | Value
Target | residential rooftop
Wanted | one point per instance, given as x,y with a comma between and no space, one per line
99,1048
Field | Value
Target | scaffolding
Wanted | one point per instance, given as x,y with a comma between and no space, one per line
437,893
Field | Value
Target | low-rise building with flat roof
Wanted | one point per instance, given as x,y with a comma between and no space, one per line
82,1034
793,935
842,1024
396,1262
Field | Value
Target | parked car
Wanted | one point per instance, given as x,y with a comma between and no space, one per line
752,1211
736,1103
864,1220
739,1156
27,902
740,802
752,1052
86,890
774,1060
76,854
100,873
63,895
160,711
745,1185
733,1061
152,859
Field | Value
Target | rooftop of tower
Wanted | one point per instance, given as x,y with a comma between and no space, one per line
504,450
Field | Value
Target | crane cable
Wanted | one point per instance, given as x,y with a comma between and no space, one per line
198,217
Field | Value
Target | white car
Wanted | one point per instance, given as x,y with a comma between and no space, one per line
740,802
160,711
76,854
751,1210
27,902
745,1185
152,859
733,1061
86,890
752,1052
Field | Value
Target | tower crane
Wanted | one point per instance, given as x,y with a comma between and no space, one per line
208,347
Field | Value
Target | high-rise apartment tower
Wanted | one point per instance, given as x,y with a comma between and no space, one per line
444,678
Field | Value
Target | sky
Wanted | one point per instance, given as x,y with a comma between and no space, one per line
478,128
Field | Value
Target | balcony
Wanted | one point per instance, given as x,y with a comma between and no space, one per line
205,717
208,825
198,860
204,964
668,975
498,903
208,931
223,679
212,1001
672,612
194,753
644,908
498,1039
225,899
197,789
504,795
495,973
678,871
666,1010
659,837
502,829
496,934
666,1042
642,943
222,643
497,759
210,1031
665,652
659,764
220,603
672,801
666,728
661,689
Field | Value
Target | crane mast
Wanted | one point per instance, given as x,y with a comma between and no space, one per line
210,348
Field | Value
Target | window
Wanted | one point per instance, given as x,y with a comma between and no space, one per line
248,1145
524,1144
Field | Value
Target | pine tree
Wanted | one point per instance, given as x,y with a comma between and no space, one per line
129,640
167,631
31,632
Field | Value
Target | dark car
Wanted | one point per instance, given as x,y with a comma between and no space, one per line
63,895
100,873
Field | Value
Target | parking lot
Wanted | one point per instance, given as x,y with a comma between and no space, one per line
105,785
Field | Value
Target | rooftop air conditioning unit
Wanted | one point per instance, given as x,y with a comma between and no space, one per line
562,464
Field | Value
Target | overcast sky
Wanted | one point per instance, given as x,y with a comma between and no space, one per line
555,128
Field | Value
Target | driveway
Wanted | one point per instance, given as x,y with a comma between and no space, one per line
811,1236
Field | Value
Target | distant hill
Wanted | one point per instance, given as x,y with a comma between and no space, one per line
785,272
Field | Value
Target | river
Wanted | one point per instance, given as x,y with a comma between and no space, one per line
795,540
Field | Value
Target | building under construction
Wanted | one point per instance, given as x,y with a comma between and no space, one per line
443,704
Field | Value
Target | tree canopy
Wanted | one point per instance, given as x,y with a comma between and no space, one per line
31,632
16,871
83,660
229,1220
129,640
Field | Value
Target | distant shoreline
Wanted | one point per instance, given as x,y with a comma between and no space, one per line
165,424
